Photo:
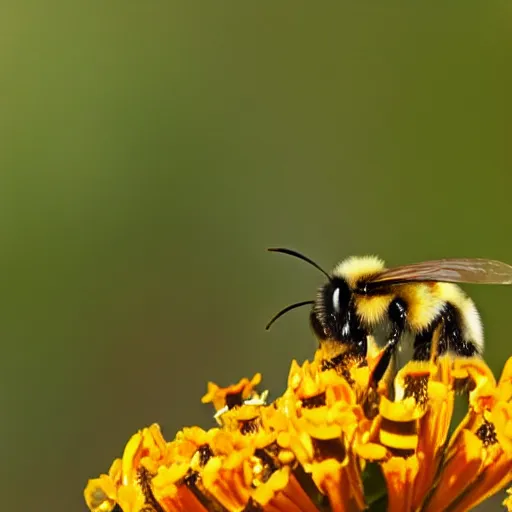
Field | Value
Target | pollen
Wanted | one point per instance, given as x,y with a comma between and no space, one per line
332,441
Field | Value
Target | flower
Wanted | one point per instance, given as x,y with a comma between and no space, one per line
331,441
508,500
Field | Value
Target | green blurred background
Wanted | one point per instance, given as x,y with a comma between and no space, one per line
151,151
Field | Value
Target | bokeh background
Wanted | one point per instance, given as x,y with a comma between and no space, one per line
151,151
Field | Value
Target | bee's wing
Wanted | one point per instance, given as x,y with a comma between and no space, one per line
457,270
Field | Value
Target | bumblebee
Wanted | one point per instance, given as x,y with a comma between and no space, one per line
363,298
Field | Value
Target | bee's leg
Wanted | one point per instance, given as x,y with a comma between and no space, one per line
397,313
423,343
451,338
453,333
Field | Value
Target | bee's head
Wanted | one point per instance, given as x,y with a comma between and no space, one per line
331,316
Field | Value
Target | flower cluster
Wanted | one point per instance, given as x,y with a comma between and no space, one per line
332,441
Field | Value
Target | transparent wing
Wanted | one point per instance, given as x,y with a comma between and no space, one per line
456,270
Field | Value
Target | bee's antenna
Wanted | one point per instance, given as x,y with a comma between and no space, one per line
286,309
296,254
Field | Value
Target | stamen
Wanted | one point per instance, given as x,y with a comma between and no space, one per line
314,401
416,386
145,484
329,449
205,454
250,426
487,433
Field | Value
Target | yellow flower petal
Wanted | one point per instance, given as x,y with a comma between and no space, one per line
232,395
100,494
507,502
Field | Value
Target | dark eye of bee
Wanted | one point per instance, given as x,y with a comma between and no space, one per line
337,297
331,309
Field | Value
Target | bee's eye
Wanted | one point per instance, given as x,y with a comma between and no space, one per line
336,300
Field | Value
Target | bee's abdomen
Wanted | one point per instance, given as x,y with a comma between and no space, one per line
425,303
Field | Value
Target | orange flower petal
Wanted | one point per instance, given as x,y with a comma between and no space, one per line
433,433
400,475
457,472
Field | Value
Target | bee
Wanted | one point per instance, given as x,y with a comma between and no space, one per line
363,298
